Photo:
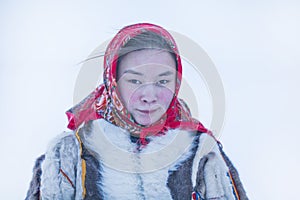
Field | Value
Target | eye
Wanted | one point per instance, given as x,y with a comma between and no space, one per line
134,81
162,82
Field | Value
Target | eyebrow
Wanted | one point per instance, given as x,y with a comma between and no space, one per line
130,71
167,73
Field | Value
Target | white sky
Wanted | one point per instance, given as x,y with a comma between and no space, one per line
254,45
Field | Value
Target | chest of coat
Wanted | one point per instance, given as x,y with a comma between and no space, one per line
150,173
111,183
124,185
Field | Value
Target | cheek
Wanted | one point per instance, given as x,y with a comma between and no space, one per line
131,96
165,96
134,96
125,94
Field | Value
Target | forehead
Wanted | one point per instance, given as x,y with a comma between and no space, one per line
142,59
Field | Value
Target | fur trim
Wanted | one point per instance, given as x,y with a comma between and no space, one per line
35,184
206,145
235,176
62,154
132,174
210,173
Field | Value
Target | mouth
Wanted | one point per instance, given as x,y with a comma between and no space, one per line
148,112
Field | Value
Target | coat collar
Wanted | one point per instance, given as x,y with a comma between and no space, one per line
113,146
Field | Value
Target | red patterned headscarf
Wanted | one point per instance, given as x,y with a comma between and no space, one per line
104,101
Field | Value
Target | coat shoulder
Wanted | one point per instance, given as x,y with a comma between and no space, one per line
59,169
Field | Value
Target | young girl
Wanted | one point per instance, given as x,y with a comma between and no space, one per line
133,137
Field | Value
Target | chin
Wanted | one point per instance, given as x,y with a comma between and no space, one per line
145,122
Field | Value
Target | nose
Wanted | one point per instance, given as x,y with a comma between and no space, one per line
148,94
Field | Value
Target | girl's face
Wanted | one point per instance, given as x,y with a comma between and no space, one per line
146,83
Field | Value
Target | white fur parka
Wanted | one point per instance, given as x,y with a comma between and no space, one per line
102,161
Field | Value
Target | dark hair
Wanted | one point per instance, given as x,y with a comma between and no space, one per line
145,40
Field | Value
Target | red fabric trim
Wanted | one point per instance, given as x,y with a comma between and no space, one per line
66,176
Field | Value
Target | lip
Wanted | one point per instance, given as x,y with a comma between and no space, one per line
147,111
